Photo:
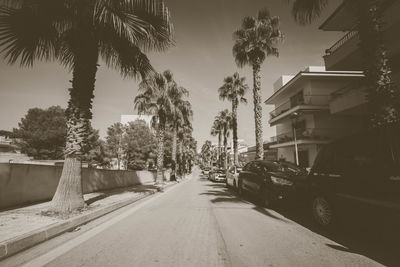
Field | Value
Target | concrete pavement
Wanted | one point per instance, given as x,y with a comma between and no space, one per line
196,223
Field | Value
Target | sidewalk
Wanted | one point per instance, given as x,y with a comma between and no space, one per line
25,227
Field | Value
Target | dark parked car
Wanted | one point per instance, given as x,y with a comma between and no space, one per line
270,181
358,178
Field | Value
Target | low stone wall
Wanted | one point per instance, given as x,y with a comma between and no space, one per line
22,184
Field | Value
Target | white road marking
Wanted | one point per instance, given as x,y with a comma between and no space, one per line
64,248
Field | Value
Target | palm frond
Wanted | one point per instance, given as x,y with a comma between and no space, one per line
123,55
143,22
26,35
305,11
263,14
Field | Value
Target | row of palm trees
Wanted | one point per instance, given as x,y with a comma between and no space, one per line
160,96
256,39
77,34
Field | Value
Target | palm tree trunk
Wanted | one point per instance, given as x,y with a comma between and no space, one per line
219,149
69,196
180,152
235,137
160,153
258,110
174,144
173,154
225,149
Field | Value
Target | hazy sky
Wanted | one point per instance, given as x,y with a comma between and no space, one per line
200,60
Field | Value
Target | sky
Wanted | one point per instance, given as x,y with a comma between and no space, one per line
199,60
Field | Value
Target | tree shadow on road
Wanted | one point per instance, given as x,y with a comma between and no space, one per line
350,240
355,239
222,194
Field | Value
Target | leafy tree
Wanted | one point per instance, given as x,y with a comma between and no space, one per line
139,144
96,154
114,142
254,41
234,89
77,34
42,133
382,93
156,97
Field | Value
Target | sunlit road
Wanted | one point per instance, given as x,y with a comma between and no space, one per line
199,223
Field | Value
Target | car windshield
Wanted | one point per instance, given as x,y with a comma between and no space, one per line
291,167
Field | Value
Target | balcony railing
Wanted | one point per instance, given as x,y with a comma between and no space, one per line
315,134
309,100
341,42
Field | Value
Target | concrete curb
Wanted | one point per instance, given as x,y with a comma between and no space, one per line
30,239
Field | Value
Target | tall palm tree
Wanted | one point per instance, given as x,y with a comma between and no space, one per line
206,152
184,134
226,123
234,89
383,95
182,115
254,41
155,98
217,130
77,34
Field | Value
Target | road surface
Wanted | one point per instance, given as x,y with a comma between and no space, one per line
195,223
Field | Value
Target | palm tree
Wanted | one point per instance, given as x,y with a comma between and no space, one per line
78,34
226,123
234,89
181,117
156,98
254,41
383,95
217,130
206,152
185,140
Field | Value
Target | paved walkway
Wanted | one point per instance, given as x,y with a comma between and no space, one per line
20,221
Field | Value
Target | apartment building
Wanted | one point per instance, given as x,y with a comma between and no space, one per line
320,104
345,54
302,115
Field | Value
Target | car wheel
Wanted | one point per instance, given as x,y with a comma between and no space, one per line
322,211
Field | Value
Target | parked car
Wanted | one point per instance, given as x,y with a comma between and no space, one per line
218,175
206,171
270,181
358,178
232,175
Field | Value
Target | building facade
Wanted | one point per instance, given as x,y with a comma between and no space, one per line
303,113
321,104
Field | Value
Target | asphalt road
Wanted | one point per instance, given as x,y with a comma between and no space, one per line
196,223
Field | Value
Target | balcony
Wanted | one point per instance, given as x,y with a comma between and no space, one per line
307,103
349,99
304,136
344,54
